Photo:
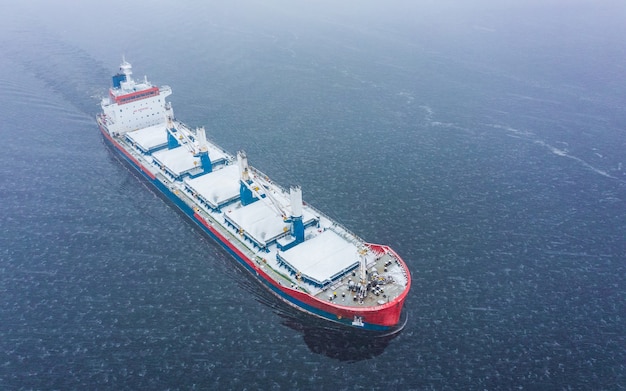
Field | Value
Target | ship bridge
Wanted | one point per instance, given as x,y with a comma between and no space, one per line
133,104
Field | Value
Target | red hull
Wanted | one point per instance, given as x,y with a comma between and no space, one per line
381,317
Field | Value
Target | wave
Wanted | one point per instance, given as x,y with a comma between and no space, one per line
67,70
511,129
429,112
564,153
428,118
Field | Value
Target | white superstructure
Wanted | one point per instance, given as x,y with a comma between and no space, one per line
135,105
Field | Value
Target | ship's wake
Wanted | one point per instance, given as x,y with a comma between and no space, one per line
563,152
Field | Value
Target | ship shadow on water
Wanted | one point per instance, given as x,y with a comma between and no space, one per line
321,336
334,340
338,342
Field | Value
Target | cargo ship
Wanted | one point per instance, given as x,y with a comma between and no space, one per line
301,255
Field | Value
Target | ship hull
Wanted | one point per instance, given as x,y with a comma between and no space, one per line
383,318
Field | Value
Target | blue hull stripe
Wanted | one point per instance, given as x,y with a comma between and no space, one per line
189,212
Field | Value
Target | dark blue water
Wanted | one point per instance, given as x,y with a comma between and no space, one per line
485,144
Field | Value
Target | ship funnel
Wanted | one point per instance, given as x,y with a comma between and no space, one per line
118,79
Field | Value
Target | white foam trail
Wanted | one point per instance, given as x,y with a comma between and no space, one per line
511,129
409,97
483,28
555,150
428,117
563,152
429,112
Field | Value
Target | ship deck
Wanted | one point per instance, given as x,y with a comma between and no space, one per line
149,139
324,266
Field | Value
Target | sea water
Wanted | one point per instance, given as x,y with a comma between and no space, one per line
485,145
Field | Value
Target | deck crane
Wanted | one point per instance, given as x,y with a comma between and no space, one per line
197,144
255,187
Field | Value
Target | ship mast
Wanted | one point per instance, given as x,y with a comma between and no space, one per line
362,293
253,187
126,69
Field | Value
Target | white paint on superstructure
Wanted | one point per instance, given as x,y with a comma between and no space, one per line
135,105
